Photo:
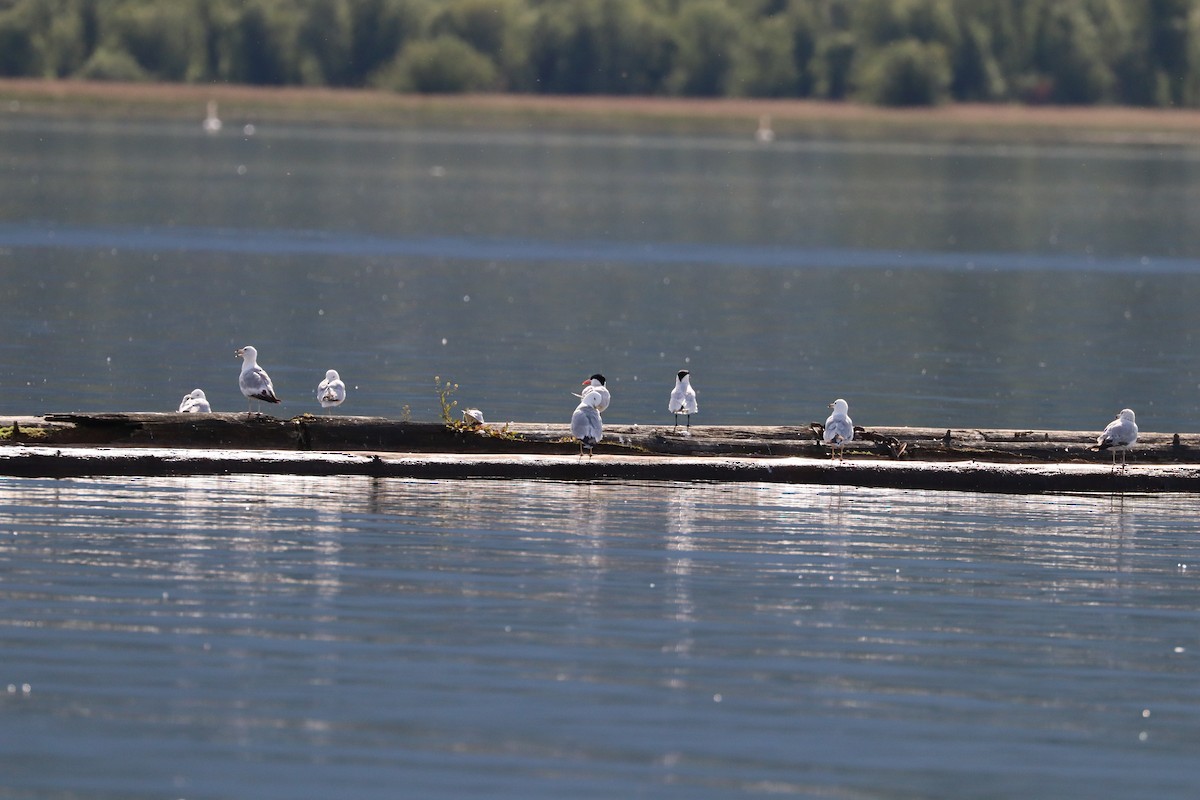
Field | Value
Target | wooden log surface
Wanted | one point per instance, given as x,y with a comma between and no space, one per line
1029,461
379,434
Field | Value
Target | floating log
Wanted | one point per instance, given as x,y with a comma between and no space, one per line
63,445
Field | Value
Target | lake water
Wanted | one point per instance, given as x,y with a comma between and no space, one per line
283,637
266,637
942,285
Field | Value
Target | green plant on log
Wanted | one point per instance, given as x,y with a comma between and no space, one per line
446,405
13,431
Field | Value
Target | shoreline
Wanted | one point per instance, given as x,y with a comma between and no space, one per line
788,118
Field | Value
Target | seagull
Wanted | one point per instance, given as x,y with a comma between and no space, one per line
1121,434
586,425
472,417
764,134
839,428
254,380
212,123
331,391
195,402
596,384
683,398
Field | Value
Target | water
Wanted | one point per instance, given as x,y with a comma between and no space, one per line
944,285
285,637
365,638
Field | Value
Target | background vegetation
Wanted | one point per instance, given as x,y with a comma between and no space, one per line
891,52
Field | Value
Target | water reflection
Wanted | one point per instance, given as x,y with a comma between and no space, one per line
494,631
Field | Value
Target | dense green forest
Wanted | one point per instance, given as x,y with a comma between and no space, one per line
893,52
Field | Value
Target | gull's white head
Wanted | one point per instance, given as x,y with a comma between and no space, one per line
840,406
248,353
1126,414
197,394
332,375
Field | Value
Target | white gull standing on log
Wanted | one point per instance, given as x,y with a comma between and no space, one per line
254,381
331,392
1119,435
683,398
839,428
194,402
586,424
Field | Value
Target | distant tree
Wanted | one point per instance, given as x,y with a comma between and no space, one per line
765,64
905,73
323,40
976,70
112,65
599,47
807,22
261,45
499,29
1068,52
442,65
158,36
379,29
708,35
833,65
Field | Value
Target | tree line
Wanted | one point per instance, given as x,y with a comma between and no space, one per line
891,52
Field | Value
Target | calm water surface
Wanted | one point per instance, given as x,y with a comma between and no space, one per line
944,284
234,637
266,637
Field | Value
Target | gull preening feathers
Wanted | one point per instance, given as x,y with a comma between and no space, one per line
683,398
194,402
839,428
586,424
1119,435
596,385
254,381
331,392
473,417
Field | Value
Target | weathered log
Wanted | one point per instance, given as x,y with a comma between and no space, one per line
62,445
318,433
944,476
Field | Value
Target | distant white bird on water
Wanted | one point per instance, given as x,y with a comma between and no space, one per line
472,417
194,402
683,398
586,424
765,133
839,428
254,381
596,384
331,392
212,123
1120,435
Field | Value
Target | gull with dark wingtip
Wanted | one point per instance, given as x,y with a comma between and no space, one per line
1120,435
839,429
254,381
